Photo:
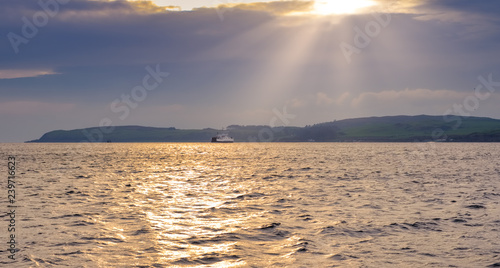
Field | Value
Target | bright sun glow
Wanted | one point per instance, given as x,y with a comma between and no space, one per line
327,7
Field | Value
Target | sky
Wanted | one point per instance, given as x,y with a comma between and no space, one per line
71,64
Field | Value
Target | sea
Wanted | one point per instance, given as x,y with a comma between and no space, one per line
250,205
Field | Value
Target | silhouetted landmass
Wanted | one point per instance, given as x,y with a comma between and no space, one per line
370,129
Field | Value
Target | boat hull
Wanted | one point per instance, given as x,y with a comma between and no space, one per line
222,138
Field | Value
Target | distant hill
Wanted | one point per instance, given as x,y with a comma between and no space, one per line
417,128
369,129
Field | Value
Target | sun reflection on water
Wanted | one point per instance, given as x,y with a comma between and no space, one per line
191,209
261,205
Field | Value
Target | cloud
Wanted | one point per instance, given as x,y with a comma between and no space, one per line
277,8
296,103
477,18
10,74
399,7
342,99
323,99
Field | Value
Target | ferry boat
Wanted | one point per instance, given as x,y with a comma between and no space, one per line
223,138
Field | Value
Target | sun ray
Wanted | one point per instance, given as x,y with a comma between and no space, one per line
279,73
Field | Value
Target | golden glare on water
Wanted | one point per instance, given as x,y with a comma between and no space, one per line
201,205
335,7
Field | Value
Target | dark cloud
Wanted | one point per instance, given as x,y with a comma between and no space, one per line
484,7
94,33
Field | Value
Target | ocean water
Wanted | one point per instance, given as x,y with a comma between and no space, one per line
253,205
